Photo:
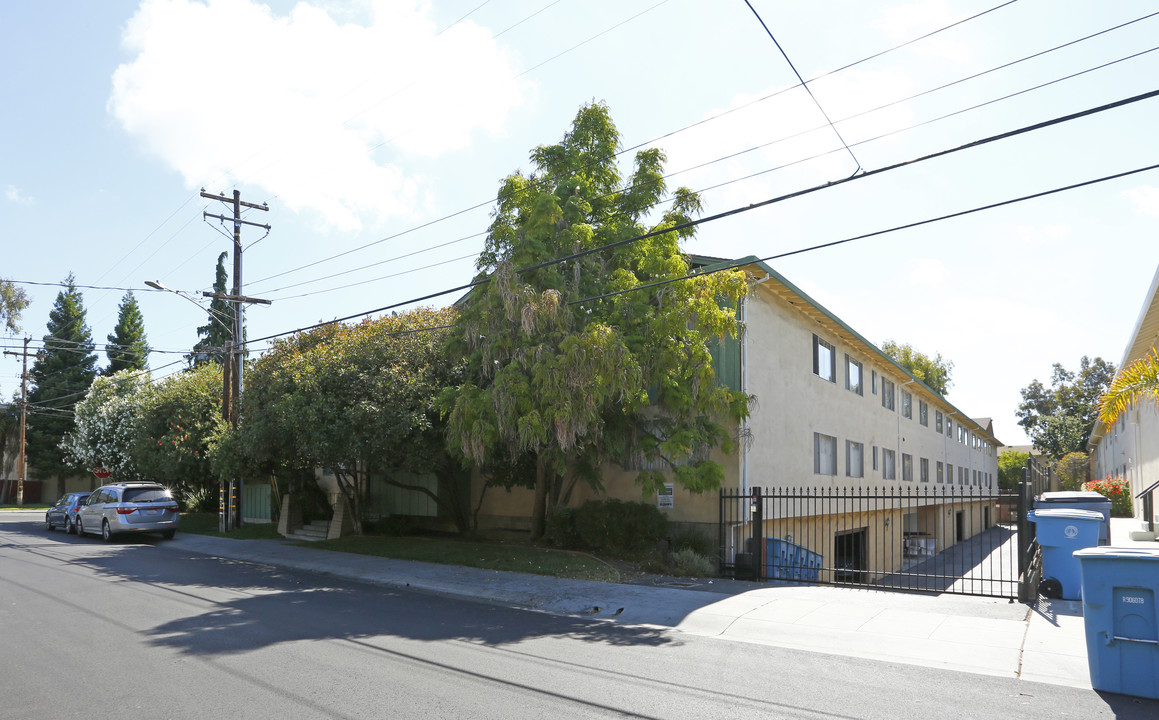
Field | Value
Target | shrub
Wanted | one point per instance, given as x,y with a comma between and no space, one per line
392,526
1119,492
689,563
693,540
613,527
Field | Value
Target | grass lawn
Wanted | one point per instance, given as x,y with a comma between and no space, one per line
451,551
27,506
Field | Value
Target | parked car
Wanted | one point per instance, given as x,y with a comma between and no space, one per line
63,513
129,508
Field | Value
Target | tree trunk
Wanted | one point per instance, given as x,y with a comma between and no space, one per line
539,504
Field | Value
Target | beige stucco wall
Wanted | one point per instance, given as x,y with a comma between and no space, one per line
1130,450
793,403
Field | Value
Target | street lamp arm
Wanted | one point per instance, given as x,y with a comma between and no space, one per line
156,285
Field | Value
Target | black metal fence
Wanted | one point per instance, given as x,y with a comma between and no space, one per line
1037,478
950,539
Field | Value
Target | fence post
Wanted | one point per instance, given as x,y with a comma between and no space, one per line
1023,524
758,520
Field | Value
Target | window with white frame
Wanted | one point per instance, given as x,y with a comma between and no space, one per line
887,394
824,454
938,421
907,467
854,459
824,360
941,471
853,373
888,465
875,457
949,473
873,376
949,427
924,467
923,413
907,404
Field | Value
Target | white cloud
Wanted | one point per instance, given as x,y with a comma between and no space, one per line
13,194
905,22
1145,199
318,111
927,272
1045,235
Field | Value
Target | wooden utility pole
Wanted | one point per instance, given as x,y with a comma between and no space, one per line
20,464
230,506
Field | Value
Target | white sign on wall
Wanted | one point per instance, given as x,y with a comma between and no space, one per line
664,497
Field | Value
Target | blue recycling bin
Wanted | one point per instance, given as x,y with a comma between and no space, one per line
1060,532
1079,500
1120,586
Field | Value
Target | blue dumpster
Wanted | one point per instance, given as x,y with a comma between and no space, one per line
1080,500
786,560
1060,532
1121,618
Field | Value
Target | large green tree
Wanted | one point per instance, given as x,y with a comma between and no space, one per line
217,330
1010,465
127,348
355,399
1059,419
61,375
934,372
569,365
13,301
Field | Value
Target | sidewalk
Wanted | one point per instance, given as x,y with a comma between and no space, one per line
979,635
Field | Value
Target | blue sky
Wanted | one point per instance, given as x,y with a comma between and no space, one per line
390,125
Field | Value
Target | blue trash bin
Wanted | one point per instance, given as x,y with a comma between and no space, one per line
1060,532
1079,500
1120,586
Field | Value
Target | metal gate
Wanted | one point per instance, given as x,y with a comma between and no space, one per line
959,539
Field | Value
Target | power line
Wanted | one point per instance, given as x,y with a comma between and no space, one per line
805,85
752,149
777,199
646,143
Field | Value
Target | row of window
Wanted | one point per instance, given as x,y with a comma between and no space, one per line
825,462
825,367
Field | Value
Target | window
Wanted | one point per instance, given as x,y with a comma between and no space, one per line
824,360
874,457
873,375
907,467
887,394
824,454
949,473
854,459
853,376
925,469
888,469
923,413
907,404
938,421
941,470
949,428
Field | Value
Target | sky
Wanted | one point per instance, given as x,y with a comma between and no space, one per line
378,133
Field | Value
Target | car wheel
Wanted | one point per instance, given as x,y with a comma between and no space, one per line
69,527
47,524
80,527
106,531
168,534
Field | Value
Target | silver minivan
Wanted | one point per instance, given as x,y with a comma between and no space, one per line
129,508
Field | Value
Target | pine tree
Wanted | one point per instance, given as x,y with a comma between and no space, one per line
216,332
61,376
127,348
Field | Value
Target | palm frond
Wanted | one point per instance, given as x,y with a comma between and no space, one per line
1135,382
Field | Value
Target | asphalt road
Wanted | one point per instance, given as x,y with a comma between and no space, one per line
136,629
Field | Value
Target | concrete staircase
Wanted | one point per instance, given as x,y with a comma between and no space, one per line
313,532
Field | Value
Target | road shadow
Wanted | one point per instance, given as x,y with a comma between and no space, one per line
278,605
983,564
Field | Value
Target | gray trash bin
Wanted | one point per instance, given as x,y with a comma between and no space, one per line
1120,589
1080,500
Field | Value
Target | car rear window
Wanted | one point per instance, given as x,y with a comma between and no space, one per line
146,495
